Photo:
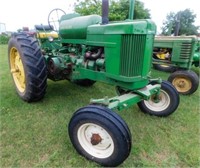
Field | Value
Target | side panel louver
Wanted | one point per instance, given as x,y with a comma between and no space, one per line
185,50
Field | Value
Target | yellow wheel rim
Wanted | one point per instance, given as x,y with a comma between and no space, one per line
17,69
182,84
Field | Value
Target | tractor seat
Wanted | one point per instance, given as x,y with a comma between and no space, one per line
44,27
45,31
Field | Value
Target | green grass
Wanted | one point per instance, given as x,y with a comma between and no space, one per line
35,134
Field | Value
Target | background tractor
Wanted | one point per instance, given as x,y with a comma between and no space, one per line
84,50
196,56
177,54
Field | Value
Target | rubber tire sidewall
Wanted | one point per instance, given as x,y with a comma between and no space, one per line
113,124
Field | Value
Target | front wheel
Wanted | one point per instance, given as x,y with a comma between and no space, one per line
186,82
100,135
163,104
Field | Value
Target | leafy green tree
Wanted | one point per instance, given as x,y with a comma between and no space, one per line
118,9
4,39
182,20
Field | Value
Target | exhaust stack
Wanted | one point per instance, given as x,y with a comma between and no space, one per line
105,10
131,9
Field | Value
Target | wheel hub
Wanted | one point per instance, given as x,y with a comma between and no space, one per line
159,102
95,139
182,84
156,98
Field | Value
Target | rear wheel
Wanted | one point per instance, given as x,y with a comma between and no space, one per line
27,67
186,82
163,104
100,135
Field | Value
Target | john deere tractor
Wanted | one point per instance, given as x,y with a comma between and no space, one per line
177,54
84,50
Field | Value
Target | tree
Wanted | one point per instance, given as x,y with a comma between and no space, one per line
182,20
118,9
4,38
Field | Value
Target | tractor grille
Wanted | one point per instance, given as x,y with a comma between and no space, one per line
185,50
132,55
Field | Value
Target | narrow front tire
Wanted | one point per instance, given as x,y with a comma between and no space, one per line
100,135
161,105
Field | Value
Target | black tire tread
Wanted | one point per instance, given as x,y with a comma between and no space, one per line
107,113
112,117
34,65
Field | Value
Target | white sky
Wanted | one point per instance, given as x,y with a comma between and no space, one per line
22,13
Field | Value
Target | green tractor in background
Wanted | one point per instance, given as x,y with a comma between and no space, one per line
84,50
196,56
177,54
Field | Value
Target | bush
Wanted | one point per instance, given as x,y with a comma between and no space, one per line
4,38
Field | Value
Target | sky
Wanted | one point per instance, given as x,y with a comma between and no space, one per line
15,14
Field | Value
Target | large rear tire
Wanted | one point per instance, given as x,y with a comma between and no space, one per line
185,82
100,135
27,66
163,104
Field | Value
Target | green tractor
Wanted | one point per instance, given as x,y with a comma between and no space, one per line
177,54
196,56
84,50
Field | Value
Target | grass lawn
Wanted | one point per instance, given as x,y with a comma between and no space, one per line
35,134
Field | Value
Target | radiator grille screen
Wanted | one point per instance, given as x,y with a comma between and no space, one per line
132,55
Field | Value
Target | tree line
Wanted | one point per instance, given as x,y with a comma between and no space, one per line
180,23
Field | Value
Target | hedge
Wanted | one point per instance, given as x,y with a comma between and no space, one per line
4,39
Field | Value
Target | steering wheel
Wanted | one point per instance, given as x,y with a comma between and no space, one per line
54,18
